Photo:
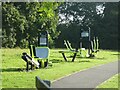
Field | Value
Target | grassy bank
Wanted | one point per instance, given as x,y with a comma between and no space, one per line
15,76
113,82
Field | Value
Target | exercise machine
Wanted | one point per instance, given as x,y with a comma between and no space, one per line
88,43
39,55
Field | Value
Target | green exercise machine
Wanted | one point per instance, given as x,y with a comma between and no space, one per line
69,50
91,44
39,55
91,48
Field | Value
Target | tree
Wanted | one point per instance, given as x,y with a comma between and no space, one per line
12,21
23,21
108,30
77,17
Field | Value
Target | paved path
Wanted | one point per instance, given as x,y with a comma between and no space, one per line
89,78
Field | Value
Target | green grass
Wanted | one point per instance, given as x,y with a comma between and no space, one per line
13,75
111,83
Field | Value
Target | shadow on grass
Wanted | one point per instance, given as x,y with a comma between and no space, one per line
92,58
13,69
118,54
84,61
55,56
102,58
56,61
19,89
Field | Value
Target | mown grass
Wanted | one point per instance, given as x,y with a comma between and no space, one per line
15,76
113,82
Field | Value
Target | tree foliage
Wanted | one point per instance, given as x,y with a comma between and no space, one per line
109,26
100,18
23,21
77,17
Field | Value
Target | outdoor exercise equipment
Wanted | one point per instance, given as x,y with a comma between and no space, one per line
69,50
85,37
92,45
68,45
39,55
43,39
30,62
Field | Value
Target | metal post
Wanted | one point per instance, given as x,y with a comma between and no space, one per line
27,66
89,42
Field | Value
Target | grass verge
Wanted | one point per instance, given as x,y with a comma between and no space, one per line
15,76
113,82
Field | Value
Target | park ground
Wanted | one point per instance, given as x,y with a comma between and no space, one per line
15,76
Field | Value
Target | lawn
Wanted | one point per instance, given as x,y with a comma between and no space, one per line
113,82
15,76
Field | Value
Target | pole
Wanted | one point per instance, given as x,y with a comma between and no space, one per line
89,42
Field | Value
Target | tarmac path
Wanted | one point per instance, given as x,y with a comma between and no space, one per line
89,78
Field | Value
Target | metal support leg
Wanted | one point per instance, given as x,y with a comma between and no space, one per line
31,66
64,57
27,66
74,57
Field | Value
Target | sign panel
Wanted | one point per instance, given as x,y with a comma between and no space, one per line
84,34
